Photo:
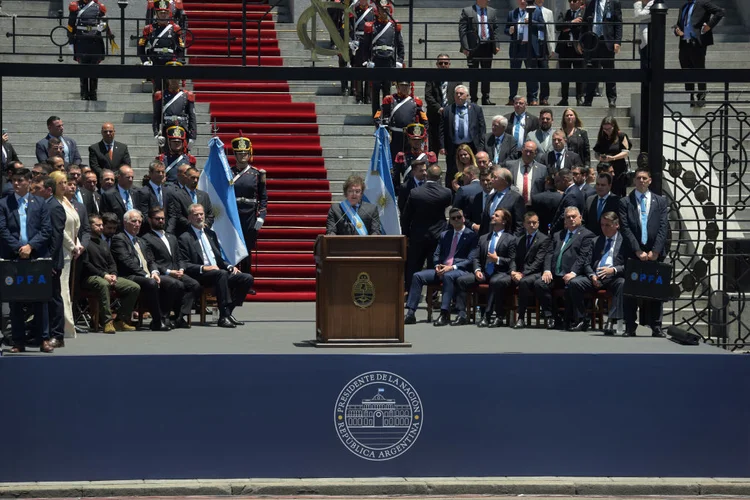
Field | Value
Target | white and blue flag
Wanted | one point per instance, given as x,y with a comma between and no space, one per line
216,181
380,190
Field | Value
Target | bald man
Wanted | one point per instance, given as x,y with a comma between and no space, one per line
108,153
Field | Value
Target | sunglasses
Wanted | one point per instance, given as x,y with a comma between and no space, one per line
457,217
444,63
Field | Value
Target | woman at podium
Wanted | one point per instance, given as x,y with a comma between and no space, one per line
352,216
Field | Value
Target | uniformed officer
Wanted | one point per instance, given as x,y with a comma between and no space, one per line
250,191
416,134
399,110
86,23
175,8
385,47
161,42
359,14
173,106
177,153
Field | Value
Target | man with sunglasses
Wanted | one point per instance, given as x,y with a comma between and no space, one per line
438,95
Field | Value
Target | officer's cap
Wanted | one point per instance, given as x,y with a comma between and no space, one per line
242,144
176,132
161,5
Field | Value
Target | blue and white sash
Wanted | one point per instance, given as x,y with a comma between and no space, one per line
354,218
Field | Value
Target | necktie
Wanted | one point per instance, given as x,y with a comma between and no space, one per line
607,248
600,208
66,150
560,256
207,250
525,193
529,241
598,28
644,220
461,111
517,131
194,197
79,197
686,22
128,201
485,30
454,243
495,202
109,152
558,155
498,145
22,220
444,93
144,264
490,266
158,196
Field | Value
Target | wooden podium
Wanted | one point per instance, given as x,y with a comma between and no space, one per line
360,291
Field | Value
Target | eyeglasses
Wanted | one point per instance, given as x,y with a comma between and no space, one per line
444,63
354,191
457,217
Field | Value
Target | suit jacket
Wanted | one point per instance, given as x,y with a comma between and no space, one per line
515,41
465,195
538,174
57,226
111,201
657,227
179,202
474,213
542,36
576,255
92,200
513,202
590,220
128,263
612,22
167,192
191,252
572,197
99,157
505,248
578,143
569,35
434,98
469,29
532,123
531,261
424,214
545,206
405,191
587,190
620,254
466,248
508,148
84,230
38,227
42,145
704,12
339,223
569,159
10,155
163,257
477,128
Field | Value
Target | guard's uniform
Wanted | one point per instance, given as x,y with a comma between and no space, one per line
397,112
358,16
162,42
386,50
173,159
403,159
86,22
175,8
176,108
252,196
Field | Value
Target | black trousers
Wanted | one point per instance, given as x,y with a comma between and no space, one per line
178,295
693,56
544,294
570,62
230,289
55,308
581,285
417,253
150,296
498,283
601,57
480,57
651,310
526,294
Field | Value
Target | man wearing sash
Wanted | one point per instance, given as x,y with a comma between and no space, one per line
173,106
353,216
86,22
385,47
176,153
250,190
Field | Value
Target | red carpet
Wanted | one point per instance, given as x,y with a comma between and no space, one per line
285,143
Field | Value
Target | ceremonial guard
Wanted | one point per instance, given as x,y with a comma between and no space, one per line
250,191
385,47
176,10
399,110
161,42
416,134
173,106
177,153
86,23
359,14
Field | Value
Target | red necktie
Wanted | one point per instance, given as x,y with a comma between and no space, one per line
526,185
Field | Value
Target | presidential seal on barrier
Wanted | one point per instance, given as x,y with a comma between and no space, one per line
378,416
363,291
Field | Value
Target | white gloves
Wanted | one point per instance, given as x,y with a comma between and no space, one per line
160,140
370,64
190,142
259,223
148,63
399,65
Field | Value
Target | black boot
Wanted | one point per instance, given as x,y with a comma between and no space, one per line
84,89
93,85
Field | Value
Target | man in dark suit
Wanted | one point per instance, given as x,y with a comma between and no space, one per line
453,258
500,145
529,174
132,258
25,233
695,24
165,251
503,197
517,28
415,178
7,153
123,196
602,18
644,223
569,48
600,203
159,192
108,181
108,153
580,176
462,123
353,216
472,187
605,270
70,148
181,199
200,256
531,252
572,197
568,257
424,221
479,32
92,200
475,210
438,96
560,157
493,262
520,123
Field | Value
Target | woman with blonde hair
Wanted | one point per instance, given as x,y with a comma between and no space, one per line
464,157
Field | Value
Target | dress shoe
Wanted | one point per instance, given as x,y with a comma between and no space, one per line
17,349
612,103
486,102
587,104
226,323
81,329
700,103
460,321
629,332
563,102
520,324
167,324
609,328
597,93
485,323
581,326
109,327
534,103
157,326
497,323
235,321
57,342
656,331
46,347
181,323
121,326
410,319
442,320
580,100
544,102
551,323
510,102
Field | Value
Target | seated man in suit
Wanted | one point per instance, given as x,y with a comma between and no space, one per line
181,199
201,258
353,216
531,252
108,153
601,202
570,252
25,234
131,256
453,257
100,275
572,197
605,270
560,157
528,173
499,144
165,250
493,262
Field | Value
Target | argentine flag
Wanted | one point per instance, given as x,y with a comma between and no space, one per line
379,182
216,181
